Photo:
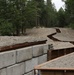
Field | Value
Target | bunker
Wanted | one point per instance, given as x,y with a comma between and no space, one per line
63,65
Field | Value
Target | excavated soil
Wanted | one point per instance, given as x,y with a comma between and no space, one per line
53,34
59,37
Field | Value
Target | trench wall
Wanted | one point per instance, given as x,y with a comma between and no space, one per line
22,61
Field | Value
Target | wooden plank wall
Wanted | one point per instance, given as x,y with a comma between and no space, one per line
58,52
57,72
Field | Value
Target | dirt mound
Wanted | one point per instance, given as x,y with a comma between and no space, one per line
66,35
12,40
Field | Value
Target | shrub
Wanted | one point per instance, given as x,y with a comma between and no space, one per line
5,28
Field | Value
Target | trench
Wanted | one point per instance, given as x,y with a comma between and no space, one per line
53,38
27,44
56,39
55,53
22,45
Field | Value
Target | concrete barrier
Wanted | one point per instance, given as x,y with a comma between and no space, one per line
38,50
7,58
22,61
30,73
17,69
23,54
3,71
42,59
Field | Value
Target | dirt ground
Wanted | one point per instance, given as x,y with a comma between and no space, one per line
66,34
38,34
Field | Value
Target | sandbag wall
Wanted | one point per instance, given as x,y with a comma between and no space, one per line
22,61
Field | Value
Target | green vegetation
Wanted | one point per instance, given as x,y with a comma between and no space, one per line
17,15
69,12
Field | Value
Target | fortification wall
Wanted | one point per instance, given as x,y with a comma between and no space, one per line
22,61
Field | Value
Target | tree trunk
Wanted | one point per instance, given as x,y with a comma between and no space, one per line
17,31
